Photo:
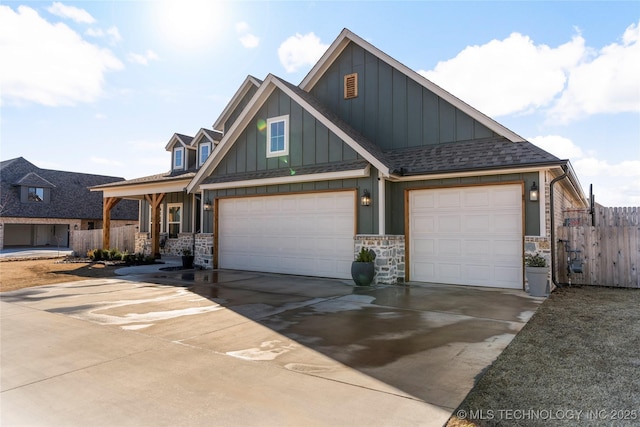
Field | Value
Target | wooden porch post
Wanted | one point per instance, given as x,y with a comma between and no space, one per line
155,200
107,204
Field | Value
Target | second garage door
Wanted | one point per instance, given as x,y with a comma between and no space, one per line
467,236
305,234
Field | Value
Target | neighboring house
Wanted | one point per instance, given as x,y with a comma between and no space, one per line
39,207
364,151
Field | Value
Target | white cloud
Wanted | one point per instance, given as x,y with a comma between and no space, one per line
247,39
113,33
49,64
508,76
300,51
607,84
100,116
144,58
559,146
74,13
617,184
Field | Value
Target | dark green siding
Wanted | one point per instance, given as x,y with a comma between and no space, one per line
187,211
392,110
243,103
395,215
367,216
310,142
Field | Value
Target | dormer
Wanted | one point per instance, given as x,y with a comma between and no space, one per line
34,189
204,143
183,155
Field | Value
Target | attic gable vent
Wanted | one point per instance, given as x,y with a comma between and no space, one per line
351,86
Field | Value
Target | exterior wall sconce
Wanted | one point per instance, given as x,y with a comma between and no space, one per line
208,205
75,227
533,192
365,200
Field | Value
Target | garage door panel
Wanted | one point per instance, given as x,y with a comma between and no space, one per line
475,242
307,234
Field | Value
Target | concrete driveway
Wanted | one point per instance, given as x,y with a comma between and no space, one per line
231,348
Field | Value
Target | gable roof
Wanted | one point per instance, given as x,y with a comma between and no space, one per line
212,136
178,138
356,141
244,88
32,179
70,195
347,37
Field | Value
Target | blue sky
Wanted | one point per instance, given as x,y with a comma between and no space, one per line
101,86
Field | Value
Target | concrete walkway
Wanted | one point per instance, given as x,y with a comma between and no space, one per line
230,348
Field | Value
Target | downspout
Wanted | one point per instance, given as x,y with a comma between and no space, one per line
553,227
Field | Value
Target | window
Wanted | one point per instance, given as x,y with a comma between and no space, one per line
178,158
36,194
151,219
278,136
205,149
174,223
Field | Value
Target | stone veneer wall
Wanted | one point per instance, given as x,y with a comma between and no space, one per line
204,251
173,247
389,249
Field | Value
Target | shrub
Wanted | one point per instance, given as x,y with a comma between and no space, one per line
535,260
365,255
115,255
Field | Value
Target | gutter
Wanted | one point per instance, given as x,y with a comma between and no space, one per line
553,228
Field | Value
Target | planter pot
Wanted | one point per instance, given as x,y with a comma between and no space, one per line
362,273
537,278
187,261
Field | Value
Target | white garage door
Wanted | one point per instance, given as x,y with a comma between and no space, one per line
306,234
467,236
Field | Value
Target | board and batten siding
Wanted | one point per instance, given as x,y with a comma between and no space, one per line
310,142
187,211
392,110
395,218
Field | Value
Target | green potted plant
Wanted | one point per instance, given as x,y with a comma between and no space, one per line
187,258
537,273
363,268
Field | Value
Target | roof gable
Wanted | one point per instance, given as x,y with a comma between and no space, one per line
180,139
346,37
32,179
238,100
342,130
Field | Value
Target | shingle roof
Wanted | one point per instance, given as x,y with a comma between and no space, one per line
70,196
161,177
213,134
32,179
357,164
478,154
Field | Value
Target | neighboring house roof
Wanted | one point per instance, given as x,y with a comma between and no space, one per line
473,155
244,88
32,179
70,196
347,36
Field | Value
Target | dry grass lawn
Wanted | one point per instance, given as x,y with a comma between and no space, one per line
577,362
18,274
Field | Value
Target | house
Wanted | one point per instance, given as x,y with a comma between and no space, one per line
39,207
363,152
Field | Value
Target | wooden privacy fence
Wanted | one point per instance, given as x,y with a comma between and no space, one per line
610,251
122,238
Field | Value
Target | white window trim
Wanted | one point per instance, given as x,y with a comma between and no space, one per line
200,159
174,205
284,152
161,219
176,150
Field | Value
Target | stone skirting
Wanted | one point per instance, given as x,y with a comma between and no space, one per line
173,246
204,251
390,256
